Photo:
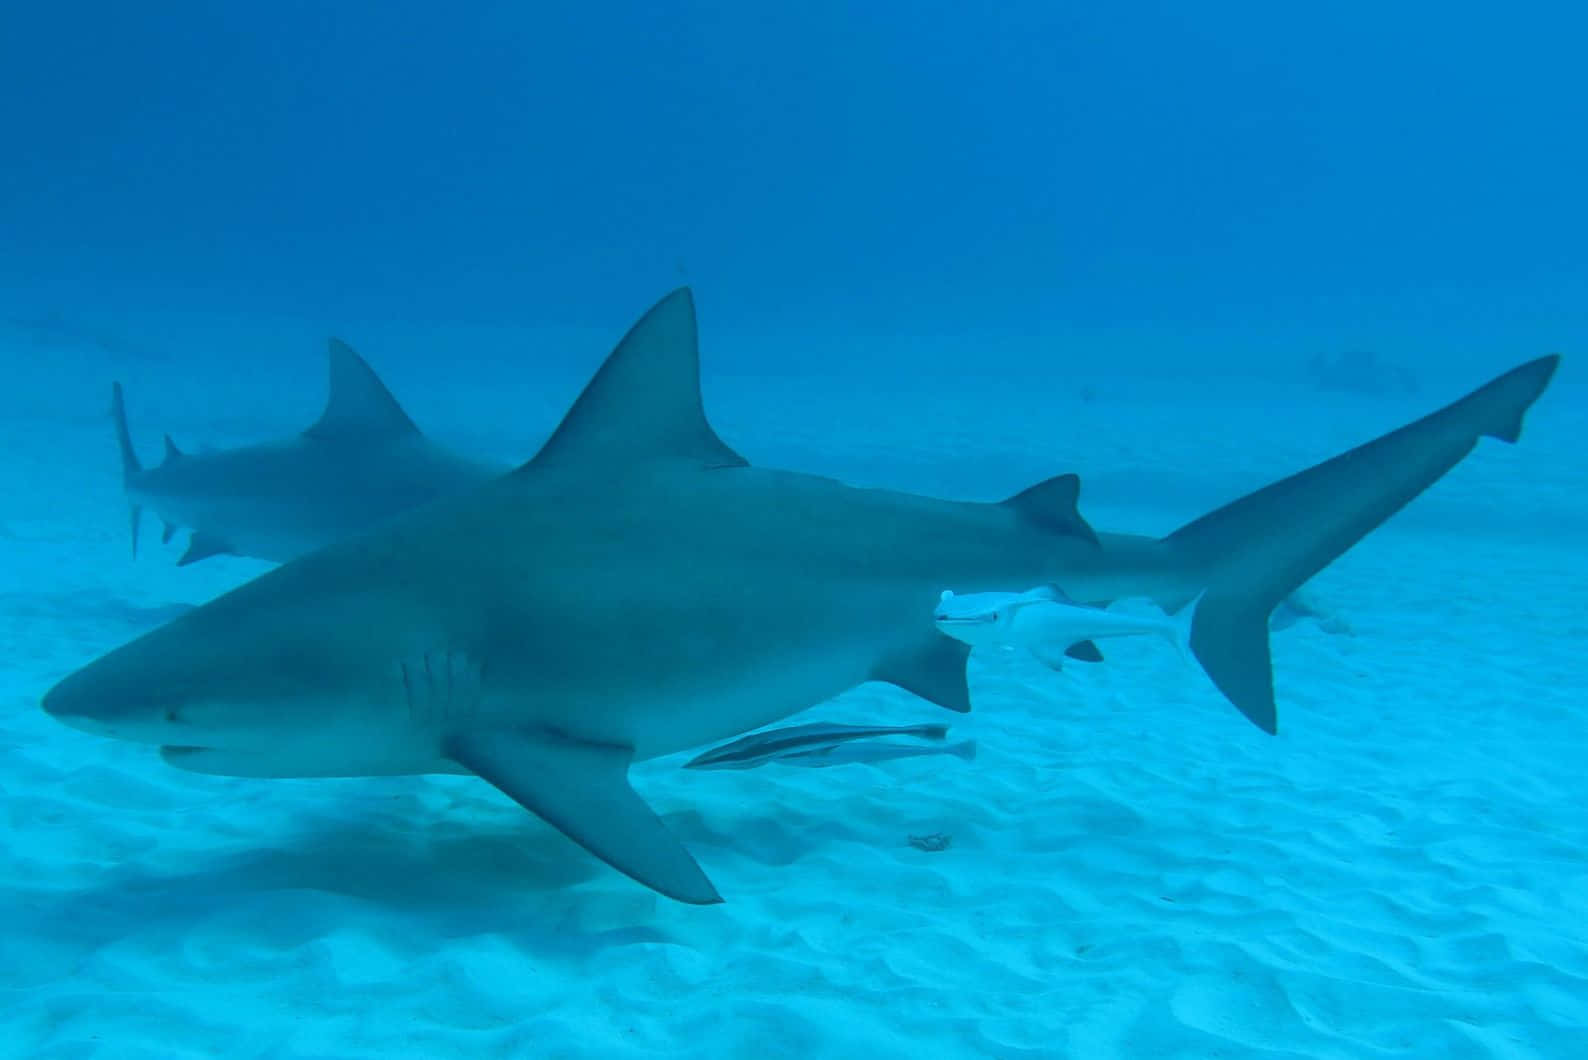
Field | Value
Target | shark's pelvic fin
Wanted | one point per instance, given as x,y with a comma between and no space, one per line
203,546
1053,505
934,670
582,790
644,402
358,404
172,453
167,532
1259,549
129,459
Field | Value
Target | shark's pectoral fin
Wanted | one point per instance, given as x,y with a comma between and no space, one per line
1052,506
933,670
582,790
1085,651
203,546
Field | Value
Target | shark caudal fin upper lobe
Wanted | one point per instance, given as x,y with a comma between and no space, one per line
129,459
1257,550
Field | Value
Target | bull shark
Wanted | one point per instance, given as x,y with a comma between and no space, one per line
362,462
638,589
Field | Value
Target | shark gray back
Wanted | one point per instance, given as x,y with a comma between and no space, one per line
361,463
637,589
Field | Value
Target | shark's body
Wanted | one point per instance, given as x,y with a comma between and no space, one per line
637,589
361,463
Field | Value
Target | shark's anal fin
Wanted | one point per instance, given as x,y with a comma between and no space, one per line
203,546
933,670
1052,505
582,789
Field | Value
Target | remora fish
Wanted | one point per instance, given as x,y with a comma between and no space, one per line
361,463
1048,624
792,741
638,589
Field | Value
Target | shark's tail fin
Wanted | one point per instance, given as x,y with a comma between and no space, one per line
1181,623
129,459
1254,552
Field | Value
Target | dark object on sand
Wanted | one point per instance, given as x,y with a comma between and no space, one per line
932,844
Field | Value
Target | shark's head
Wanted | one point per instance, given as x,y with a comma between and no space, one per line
227,690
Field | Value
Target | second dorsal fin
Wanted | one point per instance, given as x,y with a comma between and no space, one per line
1051,504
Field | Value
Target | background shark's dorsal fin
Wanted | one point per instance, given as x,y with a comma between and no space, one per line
1052,504
359,405
172,453
644,402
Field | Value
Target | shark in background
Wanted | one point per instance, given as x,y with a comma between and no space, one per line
361,463
638,589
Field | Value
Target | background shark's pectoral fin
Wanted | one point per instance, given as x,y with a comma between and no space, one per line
582,790
203,546
934,670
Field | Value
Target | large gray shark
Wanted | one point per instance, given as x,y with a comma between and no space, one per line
637,589
362,462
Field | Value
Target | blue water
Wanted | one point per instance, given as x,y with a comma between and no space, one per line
1168,183
935,248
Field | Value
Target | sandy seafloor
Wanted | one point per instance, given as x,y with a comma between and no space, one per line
1134,870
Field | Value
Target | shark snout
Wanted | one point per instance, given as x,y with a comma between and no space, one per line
86,700
70,703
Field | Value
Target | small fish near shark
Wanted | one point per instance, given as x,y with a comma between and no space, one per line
1049,624
638,589
829,744
361,463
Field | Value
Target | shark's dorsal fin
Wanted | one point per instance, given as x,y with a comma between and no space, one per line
933,670
1052,505
172,453
644,402
358,404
